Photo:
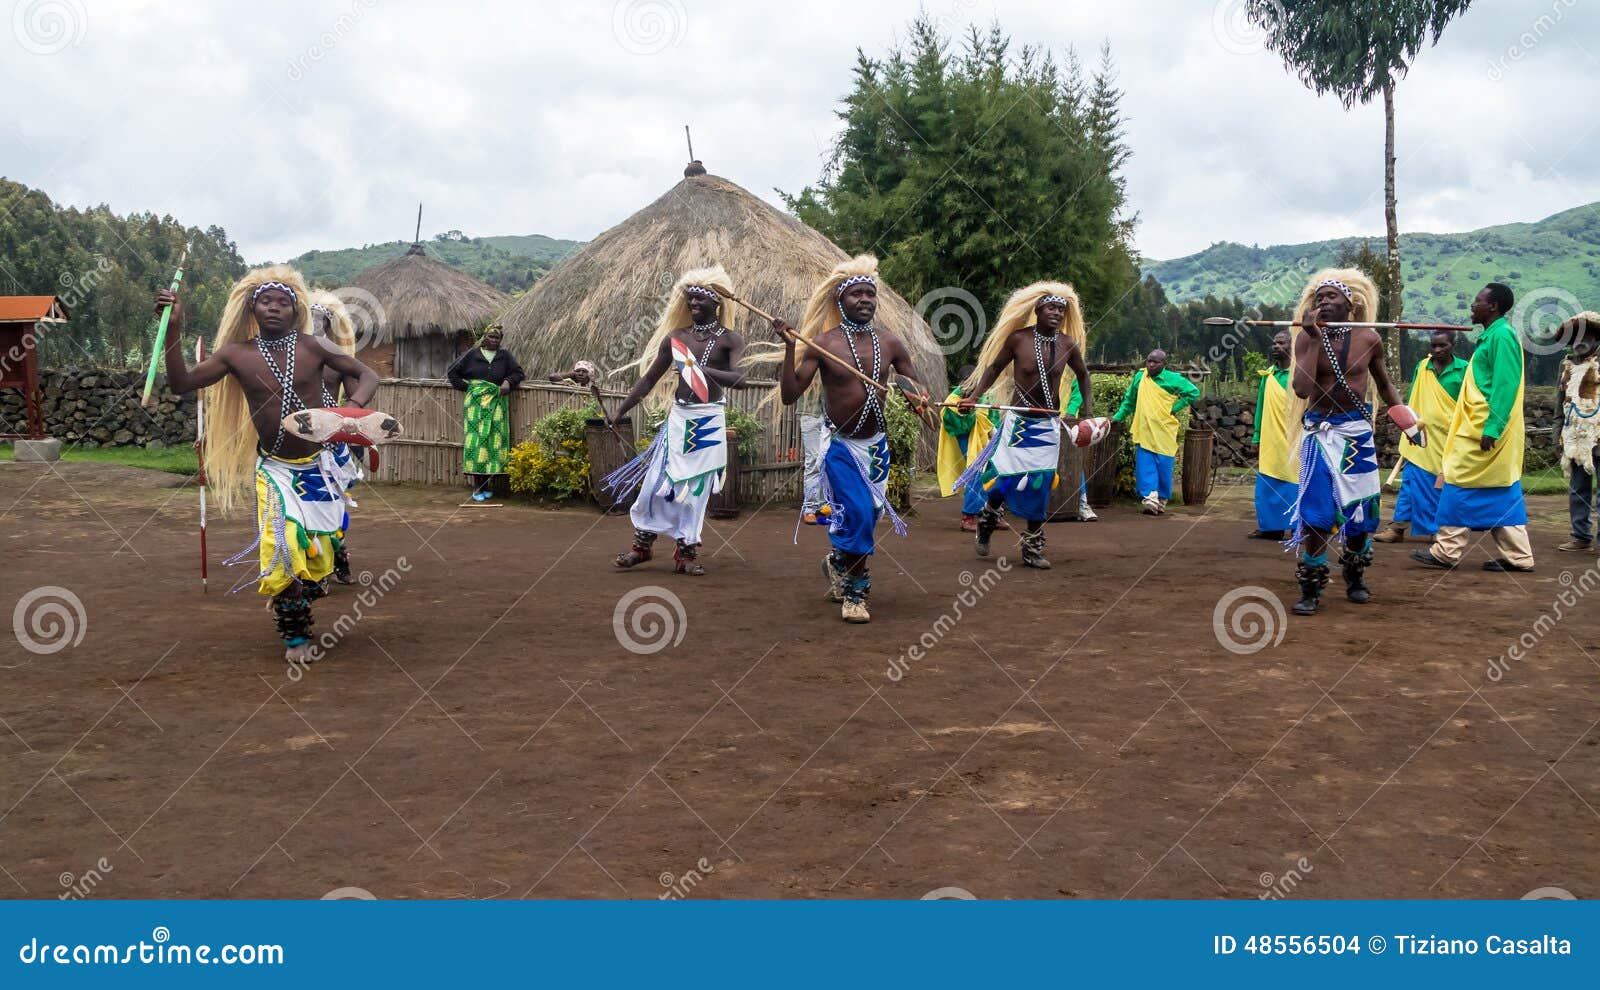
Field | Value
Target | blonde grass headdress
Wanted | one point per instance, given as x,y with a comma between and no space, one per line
713,281
230,437
822,314
341,329
1018,314
1357,287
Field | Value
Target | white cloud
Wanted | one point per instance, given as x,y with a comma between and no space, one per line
323,124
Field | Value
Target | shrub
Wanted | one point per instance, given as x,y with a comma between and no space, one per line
553,465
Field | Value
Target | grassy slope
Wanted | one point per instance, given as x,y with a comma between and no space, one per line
1442,271
510,263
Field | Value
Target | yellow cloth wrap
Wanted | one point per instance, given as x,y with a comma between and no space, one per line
1466,465
311,554
1276,459
951,462
1434,408
1155,428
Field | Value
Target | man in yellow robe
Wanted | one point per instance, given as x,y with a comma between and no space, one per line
1277,482
1482,464
1434,390
1154,398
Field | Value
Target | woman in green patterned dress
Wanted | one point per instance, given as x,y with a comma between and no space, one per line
487,374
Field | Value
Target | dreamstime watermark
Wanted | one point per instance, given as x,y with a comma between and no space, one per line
1549,894
349,894
1538,318
955,316
49,619
1248,620
372,591
649,27
1573,591
625,346
1235,31
649,619
681,886
949,894
976,587
328,40
1277,289
1281,886
48,27
1528,40
75,288
76,888
367,315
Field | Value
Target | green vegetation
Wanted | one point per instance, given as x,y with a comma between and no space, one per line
510,263
1442,271
977,168
1544,481
174,460
106,269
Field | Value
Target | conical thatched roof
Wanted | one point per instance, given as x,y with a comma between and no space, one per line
602,302
419,296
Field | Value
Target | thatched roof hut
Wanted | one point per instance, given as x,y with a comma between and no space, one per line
601,302
427,310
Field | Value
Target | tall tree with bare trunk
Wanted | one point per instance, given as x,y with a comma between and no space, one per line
1357,50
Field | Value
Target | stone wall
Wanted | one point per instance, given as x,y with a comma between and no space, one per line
1234,421
90,407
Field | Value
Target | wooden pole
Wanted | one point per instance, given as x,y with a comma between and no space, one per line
690,140
418,239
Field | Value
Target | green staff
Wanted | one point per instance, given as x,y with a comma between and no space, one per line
161,334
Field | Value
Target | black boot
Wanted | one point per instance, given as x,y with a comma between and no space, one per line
1033,550
684,559
640,552
988,522
1313,578
1354,564
292,614
341,564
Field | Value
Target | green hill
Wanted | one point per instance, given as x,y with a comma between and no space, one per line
1442,271
510,263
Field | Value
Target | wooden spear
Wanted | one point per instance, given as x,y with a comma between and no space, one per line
1228,321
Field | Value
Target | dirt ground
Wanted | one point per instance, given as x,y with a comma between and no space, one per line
480,730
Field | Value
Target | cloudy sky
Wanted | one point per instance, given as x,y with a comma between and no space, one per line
299,125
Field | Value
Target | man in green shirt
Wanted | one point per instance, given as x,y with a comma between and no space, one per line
1482,470
1153,400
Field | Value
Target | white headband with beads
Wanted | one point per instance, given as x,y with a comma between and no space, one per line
855,280
1055,299
1344,289
264,286
700,290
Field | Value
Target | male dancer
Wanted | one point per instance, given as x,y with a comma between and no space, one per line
683,467
330,321
961,436
1338,469
264,367
1040,334
855,463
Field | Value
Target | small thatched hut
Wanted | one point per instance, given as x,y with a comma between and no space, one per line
429,311
602,302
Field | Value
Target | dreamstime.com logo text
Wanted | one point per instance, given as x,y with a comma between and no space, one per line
976,588
372,591
1573,591
159,951
681,886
